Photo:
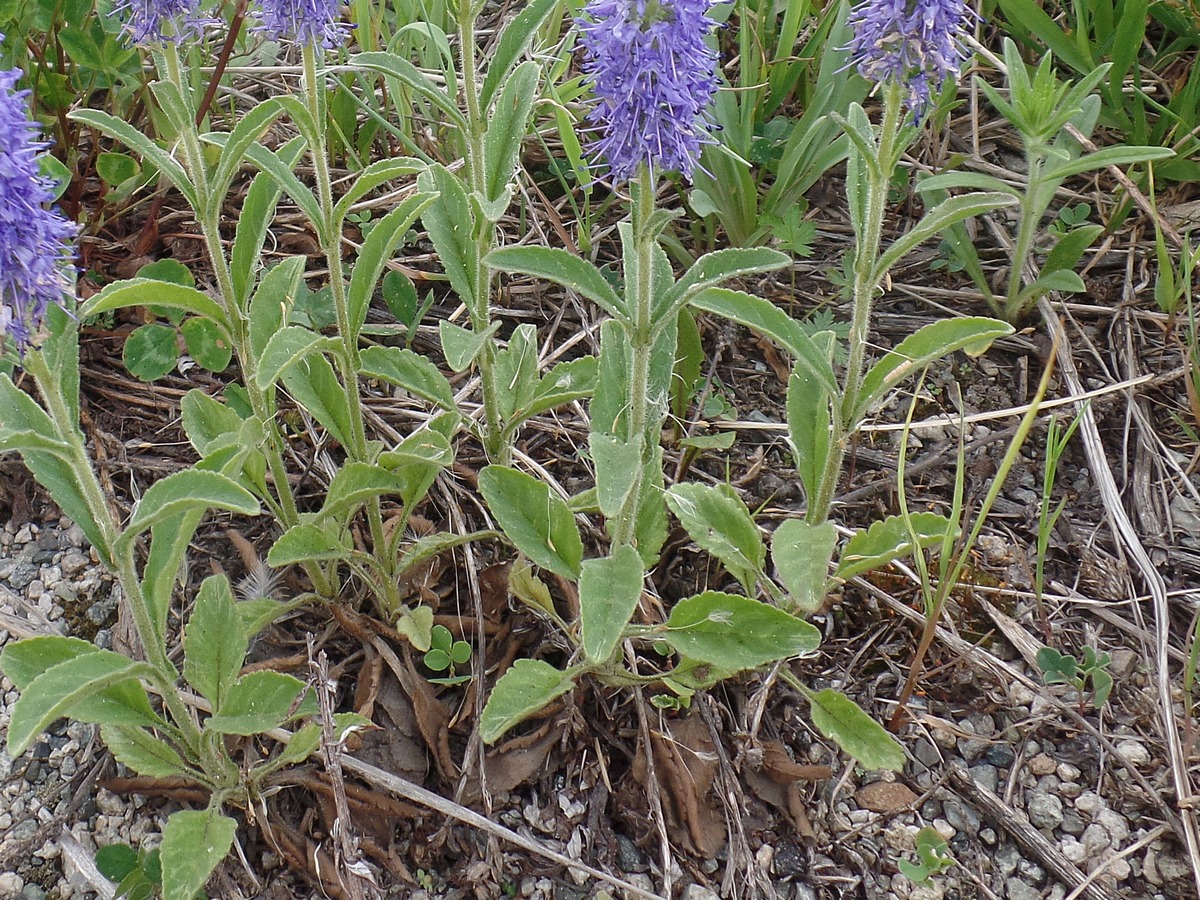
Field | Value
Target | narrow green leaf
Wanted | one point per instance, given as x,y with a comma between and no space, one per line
609,590
514,37
721,265
810,412
1108,156
946,213
305,543
802,552
841,720
150,292
59,689
250,127
719,522
509,120
768,319
536,521
889,539
567,381
193,845
188,490
973,335
206,419
1070,247
617,464
396,67
285,349
384,237
257,702
528,686
274,297
140,143
737,633
254,220
314,385
460,345
214,644
451,227
141,751
559,266
377,173
356,483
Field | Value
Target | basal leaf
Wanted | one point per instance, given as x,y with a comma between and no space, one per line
609,590
801,552
718,520
889,539
214,643
193,844
841,720
528,686
257,702
536,521
736,633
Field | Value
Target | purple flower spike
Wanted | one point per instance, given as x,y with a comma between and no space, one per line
916,44
35,244
654,76
153,22
303,21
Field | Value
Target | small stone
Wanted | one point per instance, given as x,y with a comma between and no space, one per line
1031,871
1041,765
1089,803
1067,772
1072,823
885,797
1133,752
789,861
944,829
1122,664
986,776
1070,789
11,884
1044,809
1172,869
699,892
74,562
1114,824
76,536
1020,695
25,830
987,836
1000,755
1016,889
1006,859
926,753
960,816
1120,869
629,856
109,803
1095,840
33,892
1073,850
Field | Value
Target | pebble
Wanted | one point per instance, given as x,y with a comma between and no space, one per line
1072,823
1114,824
11,884
1073,850
33,892
1067,772
986,776
1016,889
961,816
74,562
1044,809
1133,752
1095,839
1042,764
1000,755
699,892
1090,803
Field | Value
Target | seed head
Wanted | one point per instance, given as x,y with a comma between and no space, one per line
653,76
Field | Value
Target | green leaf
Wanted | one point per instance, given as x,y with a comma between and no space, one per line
949,211
528,686
810,418
275,296
206,419
721,265
150,352
250,127
140,143
396,67
801,551
1069,248
516,371
451,227
736,633
254,220
58,690
193,845
307,543
387,234
1108,156
973,335
559,266
257,702
280,167
188,490
377,173
535,520
151,292
567,381
19,413
356,483
302,744
1063,280
285,349
214,644
514,37
508,123
609,590
313,384
207,344
116,861
889,539
116,168
768,319
141,751
841,720
719,522
461,345
972,180
617,463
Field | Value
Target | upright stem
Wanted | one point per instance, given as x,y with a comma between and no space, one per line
209,217
866,285
1030,215
348,359
498,448
641,349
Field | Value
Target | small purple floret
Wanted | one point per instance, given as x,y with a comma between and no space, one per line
303,21
154,22
653,76
915,44
35,243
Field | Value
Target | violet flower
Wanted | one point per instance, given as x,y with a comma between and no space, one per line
654,76
916,44
303,21
35,243
154,22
